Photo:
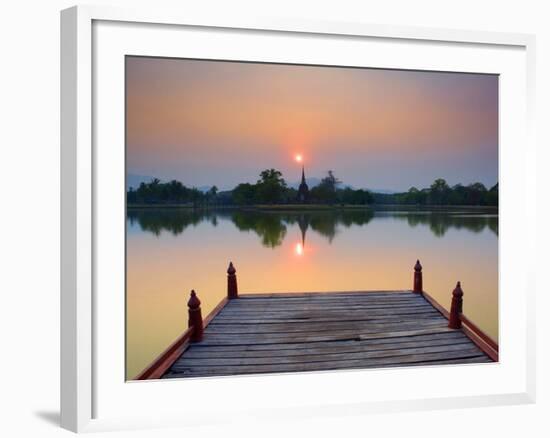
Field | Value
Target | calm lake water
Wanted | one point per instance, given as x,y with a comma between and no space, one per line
171,251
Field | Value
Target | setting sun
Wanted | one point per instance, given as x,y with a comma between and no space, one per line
299,158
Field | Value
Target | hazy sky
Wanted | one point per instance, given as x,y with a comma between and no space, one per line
211,122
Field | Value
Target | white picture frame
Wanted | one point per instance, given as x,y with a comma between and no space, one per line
85,231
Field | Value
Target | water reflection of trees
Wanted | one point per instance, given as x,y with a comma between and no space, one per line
439,223
174,221
271,226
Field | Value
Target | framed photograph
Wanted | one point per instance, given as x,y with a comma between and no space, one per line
255,208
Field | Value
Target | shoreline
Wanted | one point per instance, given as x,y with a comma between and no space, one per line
301,207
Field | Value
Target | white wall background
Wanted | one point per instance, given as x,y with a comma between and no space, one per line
29,214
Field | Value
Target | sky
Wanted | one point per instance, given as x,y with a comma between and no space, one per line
220,123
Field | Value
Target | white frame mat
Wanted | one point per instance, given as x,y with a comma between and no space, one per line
94,395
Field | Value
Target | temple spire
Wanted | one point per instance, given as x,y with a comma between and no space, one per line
303,224
303,189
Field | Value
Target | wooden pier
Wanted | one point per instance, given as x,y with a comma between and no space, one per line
296,332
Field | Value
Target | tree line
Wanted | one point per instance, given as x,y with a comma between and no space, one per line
173,192
440,193
271,188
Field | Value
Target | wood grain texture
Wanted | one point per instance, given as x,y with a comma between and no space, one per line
181,370
276,333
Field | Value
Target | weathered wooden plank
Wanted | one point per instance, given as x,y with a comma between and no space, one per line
328,314
300,322
261,331
321,319
239,313
295,301
326,305
460,361
319,366
189,361
323,307
319,309
307,311
312,327
356,316
324,348
326,295
341,315
378,299
262,338
275,319
291,302
251,296
365,343
325,302
241,340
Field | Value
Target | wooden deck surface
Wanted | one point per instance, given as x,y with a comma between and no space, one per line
326,331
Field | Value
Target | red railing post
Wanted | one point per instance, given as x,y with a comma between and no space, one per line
456,308
195,317
232,291
417,284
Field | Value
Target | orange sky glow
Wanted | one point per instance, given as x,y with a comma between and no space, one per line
214,122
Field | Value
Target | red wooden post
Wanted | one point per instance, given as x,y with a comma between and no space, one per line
417,284
195,317
456,308
232,291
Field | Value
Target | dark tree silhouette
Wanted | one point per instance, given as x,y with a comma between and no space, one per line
271,188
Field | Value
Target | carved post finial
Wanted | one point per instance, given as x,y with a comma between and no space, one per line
456,308
417,283
195,317
232,290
